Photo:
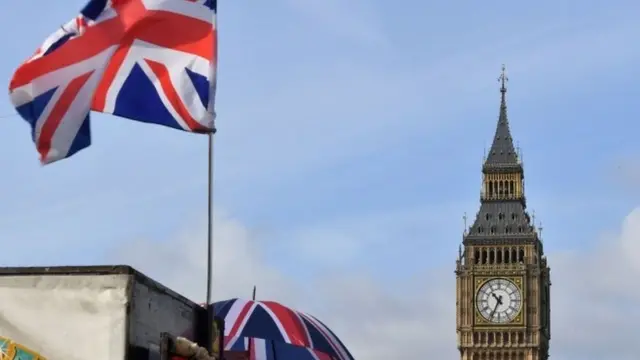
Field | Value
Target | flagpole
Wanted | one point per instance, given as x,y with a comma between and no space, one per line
210,167
210,314
210,216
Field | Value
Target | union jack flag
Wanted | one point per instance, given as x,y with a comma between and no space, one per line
148,60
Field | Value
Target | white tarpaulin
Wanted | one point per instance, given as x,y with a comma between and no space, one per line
63,317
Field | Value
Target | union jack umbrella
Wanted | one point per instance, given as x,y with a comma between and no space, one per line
261,349
272,331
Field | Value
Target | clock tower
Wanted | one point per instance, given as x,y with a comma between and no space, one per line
502,277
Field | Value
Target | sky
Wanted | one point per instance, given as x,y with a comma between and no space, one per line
350,140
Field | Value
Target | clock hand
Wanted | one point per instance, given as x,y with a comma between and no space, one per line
493,311
498,298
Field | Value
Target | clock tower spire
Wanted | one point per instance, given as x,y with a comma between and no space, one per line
502,277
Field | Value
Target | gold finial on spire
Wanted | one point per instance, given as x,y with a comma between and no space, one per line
503,79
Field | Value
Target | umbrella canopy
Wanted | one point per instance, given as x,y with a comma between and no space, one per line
277,323
260,349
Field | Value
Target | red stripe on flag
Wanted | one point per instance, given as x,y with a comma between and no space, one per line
100,97
162,73
129,12
187,34
57,113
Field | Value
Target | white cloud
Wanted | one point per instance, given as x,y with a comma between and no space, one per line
594,293
595,298
180,261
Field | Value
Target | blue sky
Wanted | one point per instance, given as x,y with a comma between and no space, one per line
351,136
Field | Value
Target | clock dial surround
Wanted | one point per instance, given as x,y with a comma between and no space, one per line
499,301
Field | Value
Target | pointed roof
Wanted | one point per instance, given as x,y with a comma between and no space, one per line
502,154
502,219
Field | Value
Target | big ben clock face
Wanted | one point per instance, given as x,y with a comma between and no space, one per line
499,301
